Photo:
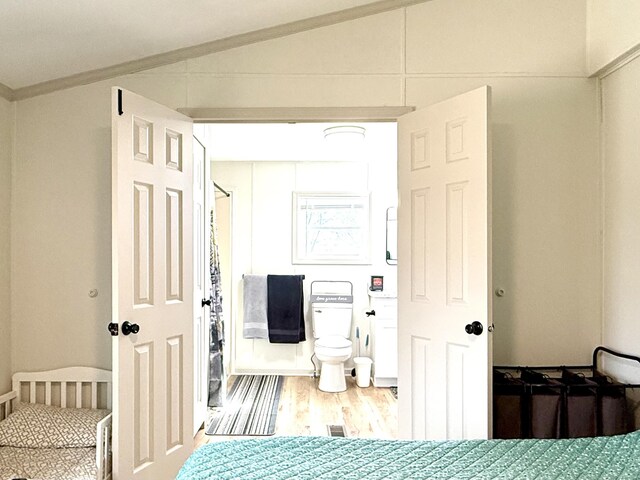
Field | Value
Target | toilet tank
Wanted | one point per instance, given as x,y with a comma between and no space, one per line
331,319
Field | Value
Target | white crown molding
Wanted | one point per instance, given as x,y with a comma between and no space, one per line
6,92
207,48
296,114
617,63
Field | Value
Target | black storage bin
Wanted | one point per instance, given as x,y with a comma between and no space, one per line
510,410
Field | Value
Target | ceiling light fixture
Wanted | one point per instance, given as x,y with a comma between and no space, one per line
344,131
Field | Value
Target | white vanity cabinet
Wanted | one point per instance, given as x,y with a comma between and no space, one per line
384,338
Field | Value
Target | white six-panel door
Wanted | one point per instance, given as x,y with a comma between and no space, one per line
153,288
444,269
201,282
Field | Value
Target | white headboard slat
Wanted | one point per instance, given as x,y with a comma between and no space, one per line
47,393
32,392
78,394
94,395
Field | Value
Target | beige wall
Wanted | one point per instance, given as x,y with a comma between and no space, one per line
546,246
61,230
6,129
613,41
496,36
612,31
621,149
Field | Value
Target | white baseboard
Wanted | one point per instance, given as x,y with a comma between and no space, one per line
385,382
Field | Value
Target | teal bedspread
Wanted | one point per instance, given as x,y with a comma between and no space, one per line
279,458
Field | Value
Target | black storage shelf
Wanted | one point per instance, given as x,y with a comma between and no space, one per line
559,401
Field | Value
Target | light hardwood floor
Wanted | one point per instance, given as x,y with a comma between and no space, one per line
304,410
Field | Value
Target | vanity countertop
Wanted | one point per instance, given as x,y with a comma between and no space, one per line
382,294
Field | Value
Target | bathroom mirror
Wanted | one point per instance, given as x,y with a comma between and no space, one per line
392,236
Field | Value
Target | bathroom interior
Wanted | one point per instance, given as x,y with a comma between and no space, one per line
271,179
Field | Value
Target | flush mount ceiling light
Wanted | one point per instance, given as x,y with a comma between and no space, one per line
344,131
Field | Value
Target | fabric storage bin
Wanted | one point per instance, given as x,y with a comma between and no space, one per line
561,401
581,403
545,405
546,412
510,410
613,413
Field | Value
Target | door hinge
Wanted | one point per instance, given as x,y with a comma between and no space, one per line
120,110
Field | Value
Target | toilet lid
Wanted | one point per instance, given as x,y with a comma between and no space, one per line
333,341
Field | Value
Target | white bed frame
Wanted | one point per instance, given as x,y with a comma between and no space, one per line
64,378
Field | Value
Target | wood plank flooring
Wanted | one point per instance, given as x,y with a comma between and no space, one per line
304,410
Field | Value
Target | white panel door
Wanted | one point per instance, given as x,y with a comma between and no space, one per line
444,270
152,228
201,282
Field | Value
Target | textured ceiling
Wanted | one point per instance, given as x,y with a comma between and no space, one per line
48,40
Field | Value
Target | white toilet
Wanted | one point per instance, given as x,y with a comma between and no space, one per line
331,329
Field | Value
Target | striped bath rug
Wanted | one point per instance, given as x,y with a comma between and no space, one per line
251,408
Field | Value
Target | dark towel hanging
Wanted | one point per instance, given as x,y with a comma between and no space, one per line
285,315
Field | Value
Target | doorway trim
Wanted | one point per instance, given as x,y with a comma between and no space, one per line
296,114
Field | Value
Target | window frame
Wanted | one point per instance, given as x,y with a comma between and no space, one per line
364,255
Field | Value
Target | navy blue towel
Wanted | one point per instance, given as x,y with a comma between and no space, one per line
285,315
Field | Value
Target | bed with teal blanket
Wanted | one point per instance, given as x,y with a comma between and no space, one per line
279,458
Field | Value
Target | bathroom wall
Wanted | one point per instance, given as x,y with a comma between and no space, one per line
262,234
546,169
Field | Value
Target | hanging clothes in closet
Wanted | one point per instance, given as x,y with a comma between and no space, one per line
216,328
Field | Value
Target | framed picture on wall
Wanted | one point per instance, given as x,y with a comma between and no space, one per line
377,283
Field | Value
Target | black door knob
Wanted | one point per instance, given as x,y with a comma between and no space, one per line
128,328
206,302
113,329
372,312
474,328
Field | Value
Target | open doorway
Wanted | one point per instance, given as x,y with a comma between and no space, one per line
263,166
